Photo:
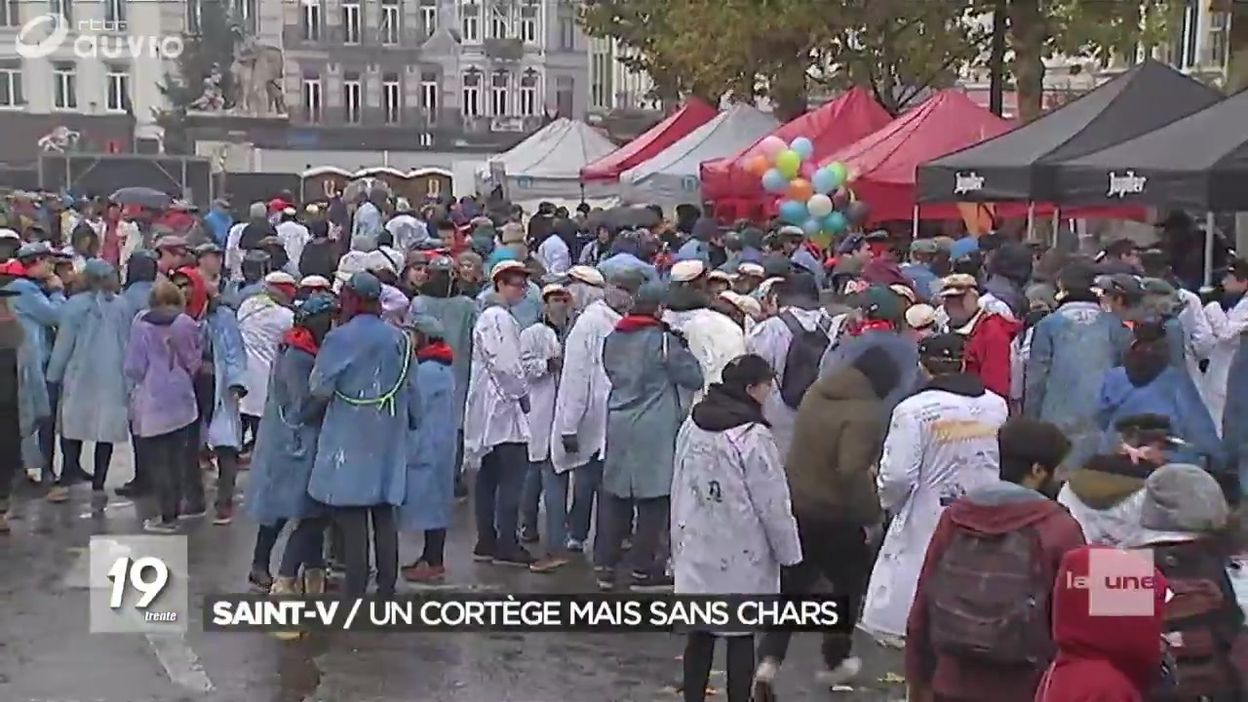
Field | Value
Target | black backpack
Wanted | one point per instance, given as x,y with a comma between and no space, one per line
801,364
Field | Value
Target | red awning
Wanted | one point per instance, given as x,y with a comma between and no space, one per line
831,127
690,116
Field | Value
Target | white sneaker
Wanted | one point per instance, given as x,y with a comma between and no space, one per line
841,674
765,680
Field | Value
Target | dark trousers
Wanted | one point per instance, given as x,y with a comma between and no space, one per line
305,547
435,547
649,553
266,539
10,448
586,486
838,552
497,498
140,474
530,498
227,475
354,524
72,462
193,475
47,433
699,652
165,457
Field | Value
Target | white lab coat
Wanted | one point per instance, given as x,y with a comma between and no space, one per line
554,255
294,237
771,339
538,344
234,254
940,445
262,323
496,384
1117,526
714,340
1227,328
581,407
1198,338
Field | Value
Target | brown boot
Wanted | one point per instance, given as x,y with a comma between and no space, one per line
283,585
314,581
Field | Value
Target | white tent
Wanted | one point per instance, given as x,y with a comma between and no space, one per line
671,177
547,165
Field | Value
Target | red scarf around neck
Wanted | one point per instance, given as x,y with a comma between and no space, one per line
439,351
302,339
635,322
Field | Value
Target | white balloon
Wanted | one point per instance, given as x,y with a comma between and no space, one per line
819,206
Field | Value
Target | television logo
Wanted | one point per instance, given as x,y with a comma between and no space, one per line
43,35
1119,583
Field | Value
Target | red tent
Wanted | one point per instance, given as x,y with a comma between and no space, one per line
737,194
690,116
882,165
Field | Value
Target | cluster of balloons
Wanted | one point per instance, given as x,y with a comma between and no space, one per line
817,199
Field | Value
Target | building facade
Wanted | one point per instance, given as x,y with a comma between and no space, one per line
612,85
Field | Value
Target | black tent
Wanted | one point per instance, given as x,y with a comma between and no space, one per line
1017,166
1197,163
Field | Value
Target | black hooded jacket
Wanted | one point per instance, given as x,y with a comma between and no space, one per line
722,409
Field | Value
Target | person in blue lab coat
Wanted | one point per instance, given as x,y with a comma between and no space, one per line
431,449
360,471
86,362
281,464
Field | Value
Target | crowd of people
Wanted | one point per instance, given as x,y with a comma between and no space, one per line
942,428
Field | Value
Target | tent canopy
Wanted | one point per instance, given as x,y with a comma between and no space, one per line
671,177
833,125
882,165
1017,165
1199,162
689,117
548,163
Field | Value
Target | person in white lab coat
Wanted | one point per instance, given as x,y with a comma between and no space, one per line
496,428
941,443
262,320
541,353
294,236
554,255
1228,318
713,337
579,436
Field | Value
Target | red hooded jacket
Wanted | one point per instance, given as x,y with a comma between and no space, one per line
988,350
995,509
1100,659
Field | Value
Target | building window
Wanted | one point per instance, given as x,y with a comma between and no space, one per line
472,93
351,22
500,20
564,88
1219,35
528,94
245,13
500,84
391,22
529,13
600,80
470,14
433,187
64,8
425,140
352,98
10,15
312,102
114,11
65,87
118,97
392,97
429,96
194,16
11,87
429,16
311,20
567,28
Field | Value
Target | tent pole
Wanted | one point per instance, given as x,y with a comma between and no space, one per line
1031,221
914,229
1209,249
1057,222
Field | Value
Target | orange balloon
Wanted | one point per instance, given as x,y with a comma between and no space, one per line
800,189
757,165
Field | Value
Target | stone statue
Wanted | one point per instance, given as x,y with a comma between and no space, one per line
212,98
257,78
59,140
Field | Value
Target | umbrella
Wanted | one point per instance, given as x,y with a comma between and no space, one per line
143,197
624,218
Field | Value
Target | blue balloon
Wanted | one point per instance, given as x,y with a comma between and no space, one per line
812,226
774,181
825,180
794,212
834,223
804,147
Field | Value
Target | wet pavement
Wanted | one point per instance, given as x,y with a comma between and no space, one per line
48,655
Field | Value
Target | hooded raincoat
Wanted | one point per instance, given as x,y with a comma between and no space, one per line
1149,386
647,367
496,388
732,520
1071,350
162,357
224,343
941,444
38,314
1104,496
581,407
458,315
262,322
361,373
431,446
87,361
